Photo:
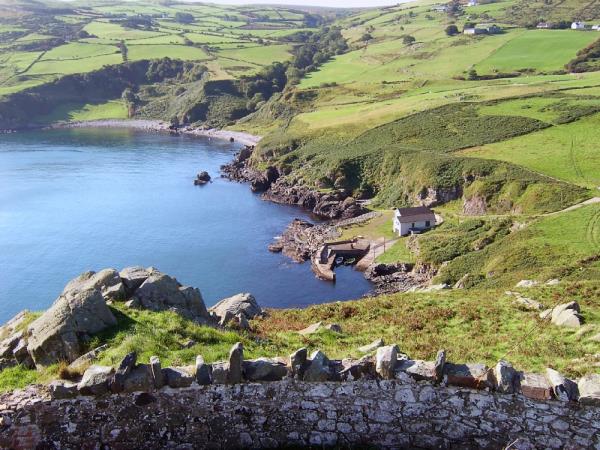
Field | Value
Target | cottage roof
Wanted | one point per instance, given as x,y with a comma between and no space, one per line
415,212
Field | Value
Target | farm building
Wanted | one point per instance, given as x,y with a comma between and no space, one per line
483,28
596,27
413,220
578,26
543,26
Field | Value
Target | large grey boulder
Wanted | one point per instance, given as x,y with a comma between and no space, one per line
160,292
229,308
134,277
107,281
57,335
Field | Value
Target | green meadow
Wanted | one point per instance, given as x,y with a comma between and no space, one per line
568,152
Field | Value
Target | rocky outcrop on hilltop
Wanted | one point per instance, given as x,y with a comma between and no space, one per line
82,310
74,317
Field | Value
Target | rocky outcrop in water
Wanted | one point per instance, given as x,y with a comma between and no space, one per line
202,178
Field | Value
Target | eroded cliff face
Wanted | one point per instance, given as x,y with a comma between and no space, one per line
378,413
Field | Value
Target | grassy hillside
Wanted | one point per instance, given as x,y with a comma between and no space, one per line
476,325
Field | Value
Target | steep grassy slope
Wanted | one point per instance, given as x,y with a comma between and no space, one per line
564,245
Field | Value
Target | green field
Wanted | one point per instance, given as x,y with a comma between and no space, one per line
80,113
539,50
568,152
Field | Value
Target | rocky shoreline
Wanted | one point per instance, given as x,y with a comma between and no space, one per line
278,188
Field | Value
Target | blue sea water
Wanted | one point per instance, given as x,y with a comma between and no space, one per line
87,199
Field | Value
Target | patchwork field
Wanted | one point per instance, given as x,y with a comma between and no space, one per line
87,40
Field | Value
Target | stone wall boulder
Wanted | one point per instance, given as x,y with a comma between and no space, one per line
160,292
74,316
229,308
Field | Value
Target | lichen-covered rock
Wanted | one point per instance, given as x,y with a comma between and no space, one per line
236,362
385,361
203,371
505,377
563,388
160,292
75,315
96,380
589,390
440,363
177,377
318,368
364,368
264,369
476,376
138,379
86,360
220,373
157,373
60,389
228,308
535,386
8,345
418,369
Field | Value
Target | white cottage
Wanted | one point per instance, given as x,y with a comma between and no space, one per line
413,220
578,26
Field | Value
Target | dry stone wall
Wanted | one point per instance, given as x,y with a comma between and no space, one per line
379,413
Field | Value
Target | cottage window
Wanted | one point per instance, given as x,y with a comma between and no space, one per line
428,223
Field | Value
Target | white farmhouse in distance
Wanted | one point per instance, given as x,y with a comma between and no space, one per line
578,26
413,220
